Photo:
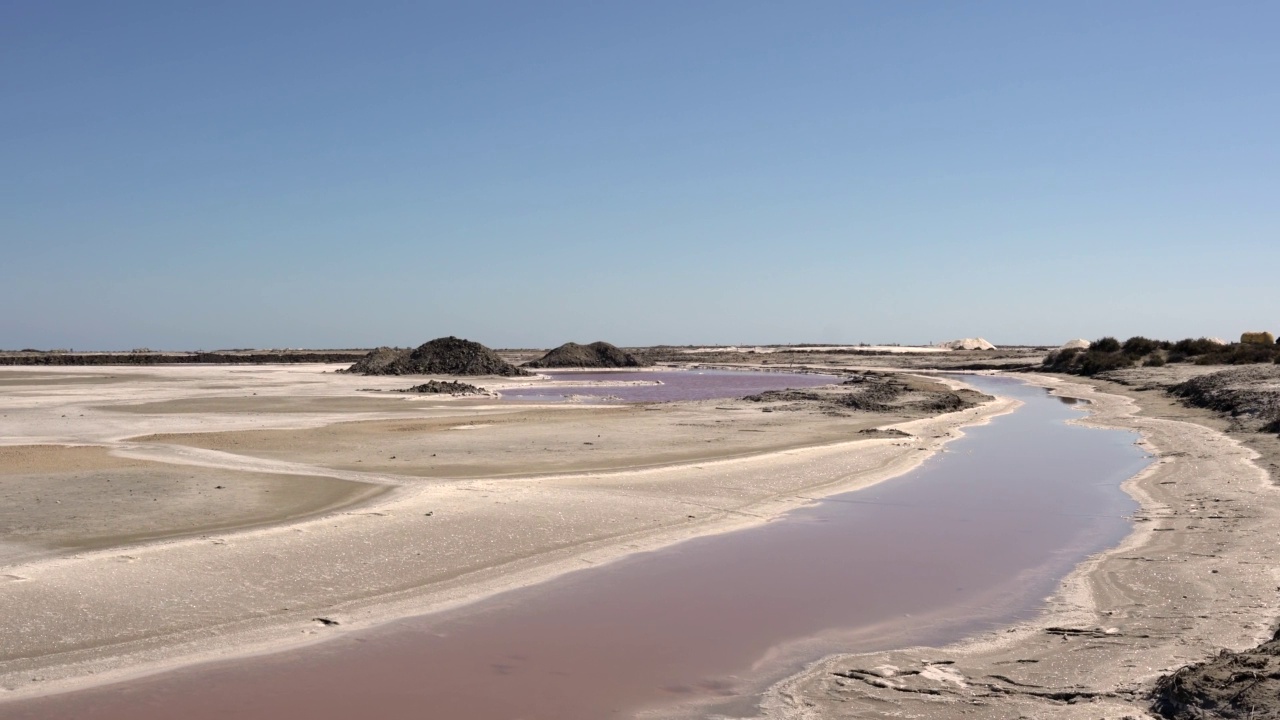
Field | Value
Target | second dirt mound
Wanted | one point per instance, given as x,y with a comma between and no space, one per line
595,355
442,356
436,387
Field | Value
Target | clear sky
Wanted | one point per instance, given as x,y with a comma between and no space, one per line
310,174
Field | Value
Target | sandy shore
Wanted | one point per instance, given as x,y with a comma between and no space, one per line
58,499
1199,573
438,538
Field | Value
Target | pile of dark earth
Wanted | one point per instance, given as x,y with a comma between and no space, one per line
596,355
445,387
899,394
442,356
1243,685
1249,395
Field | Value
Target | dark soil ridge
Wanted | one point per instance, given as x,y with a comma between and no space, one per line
195,358
442,356
1244,685
598,354
880,395
1250,396
445,387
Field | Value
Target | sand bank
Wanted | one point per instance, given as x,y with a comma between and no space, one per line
539,441
58,499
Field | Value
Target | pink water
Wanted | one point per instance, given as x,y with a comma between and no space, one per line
666,385
974,538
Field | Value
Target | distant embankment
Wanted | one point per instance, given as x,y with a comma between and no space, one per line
238,357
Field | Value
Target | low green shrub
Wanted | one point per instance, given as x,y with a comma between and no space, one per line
1139,346
1189,347
1240,354
1105,345
1095,362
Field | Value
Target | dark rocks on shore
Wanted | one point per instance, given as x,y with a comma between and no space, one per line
873,398
1232,685
1250,396
438,387
884,432
596,355
442,356
878,394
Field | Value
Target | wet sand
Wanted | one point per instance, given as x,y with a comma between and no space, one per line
27,378
277,404
57,499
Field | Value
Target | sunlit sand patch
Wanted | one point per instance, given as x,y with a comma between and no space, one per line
60,498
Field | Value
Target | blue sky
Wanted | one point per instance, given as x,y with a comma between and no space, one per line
233,174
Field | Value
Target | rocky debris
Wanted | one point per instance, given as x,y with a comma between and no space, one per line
596,355
952,401
873,396
446,387
968,344
884,432
789,396
1249,395
876,393
945,684
1094,632
442,356
1232,685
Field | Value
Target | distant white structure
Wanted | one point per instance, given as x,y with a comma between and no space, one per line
1078,343
1218,341
968,344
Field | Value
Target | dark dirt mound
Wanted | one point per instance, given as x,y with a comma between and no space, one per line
596,355
1232,685
436,387
1251,396
382,361
442,356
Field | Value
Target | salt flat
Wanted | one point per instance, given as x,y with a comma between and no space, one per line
314,517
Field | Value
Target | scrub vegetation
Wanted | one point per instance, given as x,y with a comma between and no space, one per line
1108,353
